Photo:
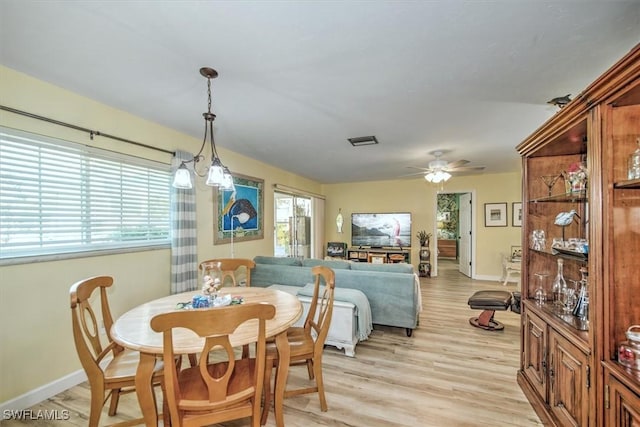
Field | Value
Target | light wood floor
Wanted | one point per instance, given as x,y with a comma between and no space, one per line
447,374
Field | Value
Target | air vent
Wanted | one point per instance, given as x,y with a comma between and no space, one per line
363,140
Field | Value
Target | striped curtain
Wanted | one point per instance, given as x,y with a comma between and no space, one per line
184,257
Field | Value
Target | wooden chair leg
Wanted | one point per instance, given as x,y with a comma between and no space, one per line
193,359
317,367
166,417
245,351
97,402
266,406
310,368
115,398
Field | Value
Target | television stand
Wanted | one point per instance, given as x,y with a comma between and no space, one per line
379,255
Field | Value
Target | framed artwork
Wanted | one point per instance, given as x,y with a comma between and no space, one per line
443,216
495,214
516,212
240,213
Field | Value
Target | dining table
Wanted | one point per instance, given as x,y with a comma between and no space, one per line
132,330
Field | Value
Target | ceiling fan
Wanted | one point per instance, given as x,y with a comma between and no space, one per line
440,170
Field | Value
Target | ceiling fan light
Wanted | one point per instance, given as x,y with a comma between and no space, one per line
437,176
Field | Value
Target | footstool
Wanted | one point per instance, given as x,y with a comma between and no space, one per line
489,301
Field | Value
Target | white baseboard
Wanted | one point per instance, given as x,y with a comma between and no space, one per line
489,278
44,392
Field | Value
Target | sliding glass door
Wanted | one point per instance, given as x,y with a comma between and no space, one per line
293,221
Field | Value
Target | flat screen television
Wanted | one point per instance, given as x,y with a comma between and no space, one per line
381,230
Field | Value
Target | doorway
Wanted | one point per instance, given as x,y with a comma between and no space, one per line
293,220
454,232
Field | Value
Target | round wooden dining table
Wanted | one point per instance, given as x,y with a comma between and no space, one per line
133,331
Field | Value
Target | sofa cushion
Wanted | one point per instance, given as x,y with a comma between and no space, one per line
388,268
274,260
334,264
264,275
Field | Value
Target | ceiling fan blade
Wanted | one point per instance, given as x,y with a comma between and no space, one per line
413,174
424,170
466,169
456,164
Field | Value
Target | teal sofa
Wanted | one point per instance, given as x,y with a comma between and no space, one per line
393,290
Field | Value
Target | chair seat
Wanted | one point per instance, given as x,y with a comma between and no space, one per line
122,368
300,345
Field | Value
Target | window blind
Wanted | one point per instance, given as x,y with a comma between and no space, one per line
62,197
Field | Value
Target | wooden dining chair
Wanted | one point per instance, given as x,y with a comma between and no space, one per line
228,270
110,368
306,342
220,387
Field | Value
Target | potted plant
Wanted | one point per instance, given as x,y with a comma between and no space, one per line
424,238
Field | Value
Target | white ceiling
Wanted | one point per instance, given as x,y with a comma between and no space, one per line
299,78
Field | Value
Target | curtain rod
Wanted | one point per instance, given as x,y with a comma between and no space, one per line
82,129
297,192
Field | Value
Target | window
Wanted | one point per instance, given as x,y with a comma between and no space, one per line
58,197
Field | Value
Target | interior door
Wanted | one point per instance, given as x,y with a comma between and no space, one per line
464,236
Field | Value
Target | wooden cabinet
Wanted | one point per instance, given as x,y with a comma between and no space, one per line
556,373
569,381
447,248
622,405
379,256
535,353
620,290
569,369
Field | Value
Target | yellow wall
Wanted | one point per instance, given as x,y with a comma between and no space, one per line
35,325
419,197
35,332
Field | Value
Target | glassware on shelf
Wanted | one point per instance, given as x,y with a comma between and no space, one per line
538,240
540,294
581,310
633,170
559,285
569,297
549,181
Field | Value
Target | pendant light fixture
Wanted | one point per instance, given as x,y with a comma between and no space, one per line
218,174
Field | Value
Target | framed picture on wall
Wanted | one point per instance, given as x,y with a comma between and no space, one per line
516,212
239,214
495,214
